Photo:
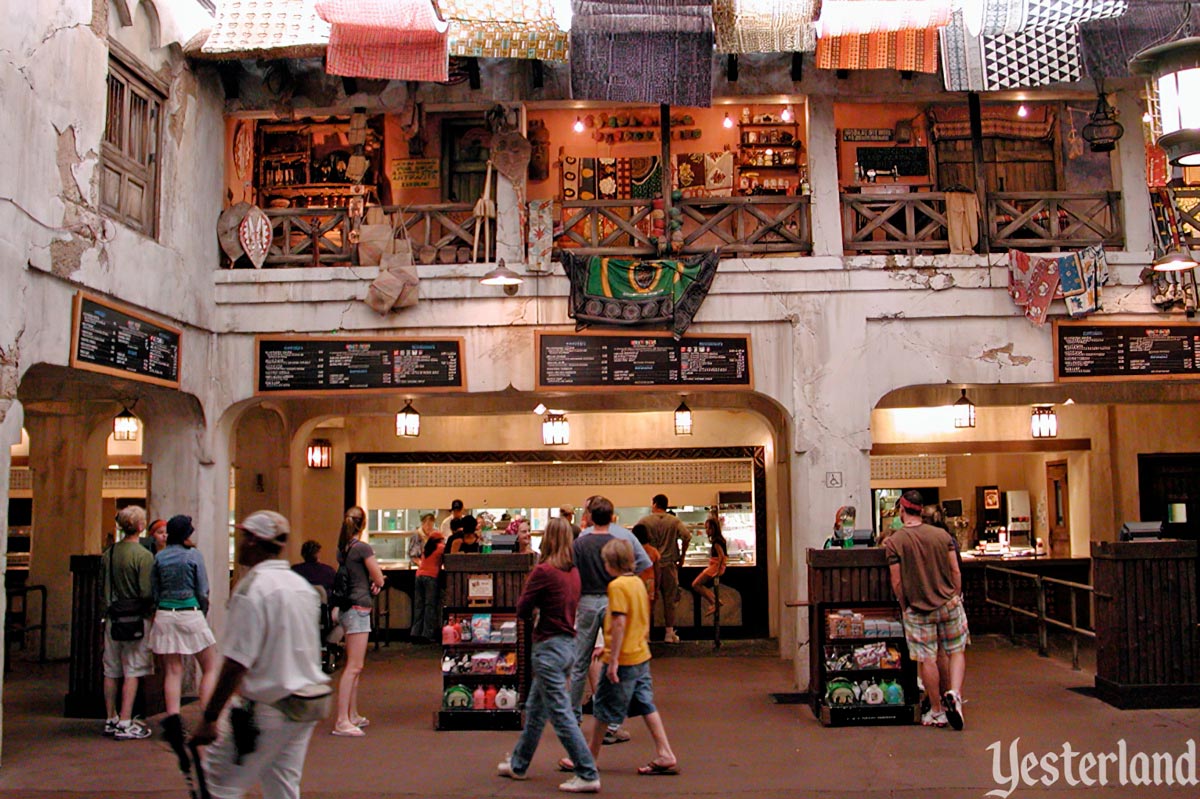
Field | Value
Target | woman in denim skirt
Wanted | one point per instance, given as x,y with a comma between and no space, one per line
366,580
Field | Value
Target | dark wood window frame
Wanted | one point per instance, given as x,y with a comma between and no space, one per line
130,151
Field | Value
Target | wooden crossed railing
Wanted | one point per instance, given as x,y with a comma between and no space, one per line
1054,220
737,225
1187,202
321,236
909,223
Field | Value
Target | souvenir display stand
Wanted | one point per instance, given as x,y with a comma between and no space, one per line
865,675
485,648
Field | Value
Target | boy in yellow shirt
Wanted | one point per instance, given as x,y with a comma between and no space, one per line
625,687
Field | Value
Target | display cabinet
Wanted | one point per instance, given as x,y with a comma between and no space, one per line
304,164
771,159
864,674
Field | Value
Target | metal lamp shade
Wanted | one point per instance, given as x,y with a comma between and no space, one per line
1172,71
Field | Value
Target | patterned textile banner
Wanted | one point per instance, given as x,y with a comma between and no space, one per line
1033,283
541,235
505,29
996,17
704,174
1109,44
611,178
1033,57
642,51
1076,278
392,39
954,122
908,51
623,292
853,17
765,26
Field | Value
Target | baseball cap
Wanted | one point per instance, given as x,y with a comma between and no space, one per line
456,505
267,525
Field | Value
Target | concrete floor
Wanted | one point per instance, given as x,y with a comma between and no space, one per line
731,739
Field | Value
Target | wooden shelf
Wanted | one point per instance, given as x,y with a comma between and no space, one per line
792,124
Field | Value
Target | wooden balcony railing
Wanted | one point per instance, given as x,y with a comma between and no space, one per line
1054,220
895,223
321,236
1188,202
737,225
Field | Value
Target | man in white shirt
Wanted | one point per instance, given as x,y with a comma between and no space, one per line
269,665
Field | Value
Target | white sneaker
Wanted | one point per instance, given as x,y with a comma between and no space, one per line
131,731
504,769
953,704
110,726
671,638
577,785
931,719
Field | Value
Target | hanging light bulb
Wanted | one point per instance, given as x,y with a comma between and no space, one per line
728,123
683,420
786,116
1022,111
408,421
578,124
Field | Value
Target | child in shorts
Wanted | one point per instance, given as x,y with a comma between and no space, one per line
625,688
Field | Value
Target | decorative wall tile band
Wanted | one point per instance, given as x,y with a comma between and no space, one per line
133,479
462,475
902,468
20,479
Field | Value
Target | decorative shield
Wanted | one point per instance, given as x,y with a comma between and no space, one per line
255,235
243,148
227,229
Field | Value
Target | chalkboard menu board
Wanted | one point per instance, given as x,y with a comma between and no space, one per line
307,365
630,361
912,162
115,340
1123,351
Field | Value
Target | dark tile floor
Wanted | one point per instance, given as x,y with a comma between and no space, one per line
732,741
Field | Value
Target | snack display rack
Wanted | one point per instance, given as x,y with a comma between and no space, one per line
485,647
865,675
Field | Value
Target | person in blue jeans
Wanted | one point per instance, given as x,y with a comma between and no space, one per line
553,590
594,580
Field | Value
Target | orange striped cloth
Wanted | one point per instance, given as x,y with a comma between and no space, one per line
392,39
908,51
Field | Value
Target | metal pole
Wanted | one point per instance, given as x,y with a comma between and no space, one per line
1012,622
716,612
976,122
1074,635
1041,606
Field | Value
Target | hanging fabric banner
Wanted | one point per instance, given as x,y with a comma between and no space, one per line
764,26
998,17
505,29
908,51
392,39
626,292
642,51
1034,57
853,17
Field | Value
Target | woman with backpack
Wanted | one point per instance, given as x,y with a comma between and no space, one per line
366,580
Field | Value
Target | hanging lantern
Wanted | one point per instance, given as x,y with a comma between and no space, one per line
125,426
964,411
556,430
408,421
320,453
683,420
1103,130
1044,422
1172,72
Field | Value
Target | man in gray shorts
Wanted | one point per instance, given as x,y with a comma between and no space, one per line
125,572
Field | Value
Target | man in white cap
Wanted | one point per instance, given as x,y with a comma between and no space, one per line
274,668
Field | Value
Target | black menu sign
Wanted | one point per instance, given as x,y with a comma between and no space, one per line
582,361
306,365
1123,351
116,340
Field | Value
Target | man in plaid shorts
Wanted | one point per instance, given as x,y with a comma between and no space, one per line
928,585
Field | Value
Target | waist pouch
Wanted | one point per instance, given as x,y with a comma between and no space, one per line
312,703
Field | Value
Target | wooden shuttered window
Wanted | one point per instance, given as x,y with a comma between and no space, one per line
129,151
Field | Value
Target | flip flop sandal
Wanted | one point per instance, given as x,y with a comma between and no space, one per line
565,764
653,769
353,732
361,721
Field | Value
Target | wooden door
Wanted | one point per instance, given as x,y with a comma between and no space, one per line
1008,164
1058,510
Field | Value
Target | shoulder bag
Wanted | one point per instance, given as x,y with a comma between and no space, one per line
125,616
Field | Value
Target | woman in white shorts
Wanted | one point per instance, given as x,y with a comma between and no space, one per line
180,586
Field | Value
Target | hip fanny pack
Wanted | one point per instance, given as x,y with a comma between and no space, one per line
312,703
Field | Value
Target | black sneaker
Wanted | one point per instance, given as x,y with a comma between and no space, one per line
131,731
952,704
110,727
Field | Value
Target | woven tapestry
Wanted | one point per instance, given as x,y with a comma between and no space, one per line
954,122
1033,57
1033,283
908,51
642,51
764,26
1080,278
853,17
392,39
623,292
998,17
1109,44
505,29
704,174
611,178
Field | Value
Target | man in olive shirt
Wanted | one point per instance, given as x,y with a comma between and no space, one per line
671,538
125,572
928,585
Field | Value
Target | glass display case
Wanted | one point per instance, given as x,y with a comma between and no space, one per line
737,523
